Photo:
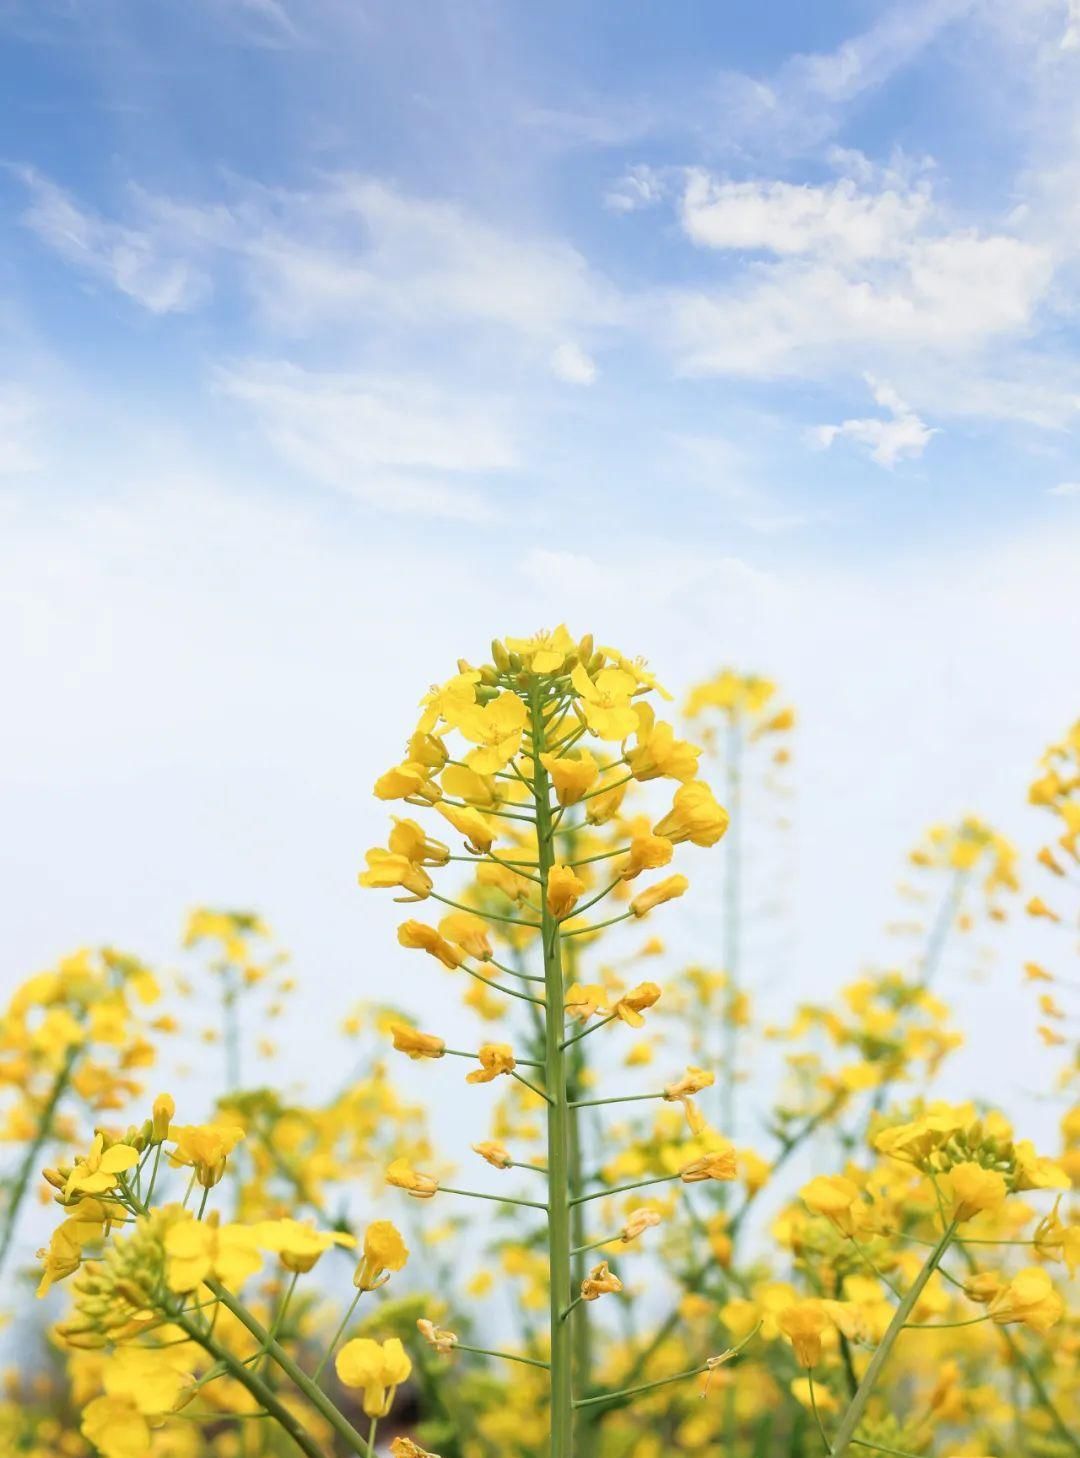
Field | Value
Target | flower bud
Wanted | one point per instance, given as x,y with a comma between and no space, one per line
164,1109
500,655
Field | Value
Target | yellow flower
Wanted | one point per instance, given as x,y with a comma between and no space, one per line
631,1005
682,1091
1030,1299
384,1251
416,935
408,781
572,775
477,829
719,1164
298,1244
600,1282
100,1169
116,1427
416,1044
496,1154
584,1002
406,1448
658,753
563,890
495,727
545,652
695,815
495,1058
666,890
467,931
647,853
410,840
971,1189
803,1325
205,1147
198,1250
835,1197
376,1367
402,1175
604,701
63,1256
385,869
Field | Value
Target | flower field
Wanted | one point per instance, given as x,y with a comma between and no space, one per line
676,1227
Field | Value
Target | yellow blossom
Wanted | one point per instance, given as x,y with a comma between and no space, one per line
378,1368
495,1058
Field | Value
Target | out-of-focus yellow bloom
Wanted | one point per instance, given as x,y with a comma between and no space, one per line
970,1189
402,1175
205,1147
198,1250
804,1324
835,1197
693,1081
1030,1299
719,1164
416,1044
298,1244
378,1368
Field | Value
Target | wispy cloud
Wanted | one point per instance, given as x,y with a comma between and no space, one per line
1066,488
897,435
135,261
398,445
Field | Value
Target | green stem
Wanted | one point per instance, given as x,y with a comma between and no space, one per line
499,1199
295,1373
259,1390
558,1121
33,1154
505,1356
857,1406
321,1368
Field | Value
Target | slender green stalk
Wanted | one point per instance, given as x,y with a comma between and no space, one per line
33,1153
321,1368
292,1370
259,1390
505,1356
558,1120
846,1432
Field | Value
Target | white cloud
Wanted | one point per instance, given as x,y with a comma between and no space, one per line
137,262
572,365
399,445
888,439
844,283
1066,488
837,219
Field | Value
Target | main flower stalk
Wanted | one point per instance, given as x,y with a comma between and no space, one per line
558,1113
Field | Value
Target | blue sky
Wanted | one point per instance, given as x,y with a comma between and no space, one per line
335,337
800,269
